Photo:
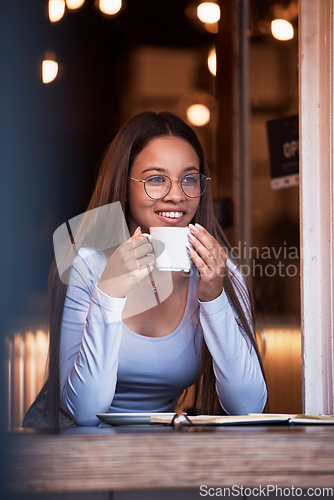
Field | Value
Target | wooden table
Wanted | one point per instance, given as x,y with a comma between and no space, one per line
155,457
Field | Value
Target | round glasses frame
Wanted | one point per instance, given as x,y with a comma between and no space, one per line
170,181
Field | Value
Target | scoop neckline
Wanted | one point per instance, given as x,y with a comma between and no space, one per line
177,329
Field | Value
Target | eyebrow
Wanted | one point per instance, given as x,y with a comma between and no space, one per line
159,169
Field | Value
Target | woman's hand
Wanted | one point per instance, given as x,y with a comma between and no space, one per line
210,259
127,266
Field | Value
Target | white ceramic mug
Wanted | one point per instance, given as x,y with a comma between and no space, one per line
170,248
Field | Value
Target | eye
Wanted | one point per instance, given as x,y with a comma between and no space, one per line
156,180
190,180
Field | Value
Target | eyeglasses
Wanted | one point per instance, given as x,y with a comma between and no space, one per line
158,186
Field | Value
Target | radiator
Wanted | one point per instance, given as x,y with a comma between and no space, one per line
25,371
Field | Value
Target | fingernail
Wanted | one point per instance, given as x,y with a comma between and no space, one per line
193,228
198,226
191,237
137,231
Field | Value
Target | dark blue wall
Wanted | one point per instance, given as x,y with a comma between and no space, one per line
26,143
52,137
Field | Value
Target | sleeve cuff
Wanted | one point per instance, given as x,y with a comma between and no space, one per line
111,307
216,305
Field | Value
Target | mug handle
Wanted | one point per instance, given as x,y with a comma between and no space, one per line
149,237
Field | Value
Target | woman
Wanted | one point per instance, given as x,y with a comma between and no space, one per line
105,354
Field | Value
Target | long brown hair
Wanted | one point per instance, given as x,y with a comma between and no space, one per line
111,186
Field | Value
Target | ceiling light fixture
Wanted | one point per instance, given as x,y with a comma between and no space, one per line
198,115
282,29
56,10
74,4
49,69
110,7
208,12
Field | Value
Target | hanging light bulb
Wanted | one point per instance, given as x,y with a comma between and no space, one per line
212,61
208,12
110,7
282,29
49,70
198,114
74,4
56,9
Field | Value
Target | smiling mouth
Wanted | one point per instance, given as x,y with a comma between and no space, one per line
171,215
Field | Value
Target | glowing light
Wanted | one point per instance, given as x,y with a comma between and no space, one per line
208,12
74,4
198,115
110,7
49,70
212,62
282,30
211,27
56,10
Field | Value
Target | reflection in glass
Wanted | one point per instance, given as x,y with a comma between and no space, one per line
212,61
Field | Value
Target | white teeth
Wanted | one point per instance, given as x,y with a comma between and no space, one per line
171,215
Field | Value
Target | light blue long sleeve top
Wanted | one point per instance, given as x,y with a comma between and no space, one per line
106,367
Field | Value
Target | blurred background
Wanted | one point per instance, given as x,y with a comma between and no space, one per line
73,72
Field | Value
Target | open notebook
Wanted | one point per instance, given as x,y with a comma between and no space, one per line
250,418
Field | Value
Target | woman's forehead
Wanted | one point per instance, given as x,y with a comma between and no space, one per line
166,150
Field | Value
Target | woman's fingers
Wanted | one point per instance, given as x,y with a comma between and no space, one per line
127,266
145,261
206,254
203,235
142,252
198,261
141,246
134,250
210,259
136,242
143,272
206,246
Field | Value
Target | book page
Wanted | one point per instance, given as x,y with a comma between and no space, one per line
250,418
225,419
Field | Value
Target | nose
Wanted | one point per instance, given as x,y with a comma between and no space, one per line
175,192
